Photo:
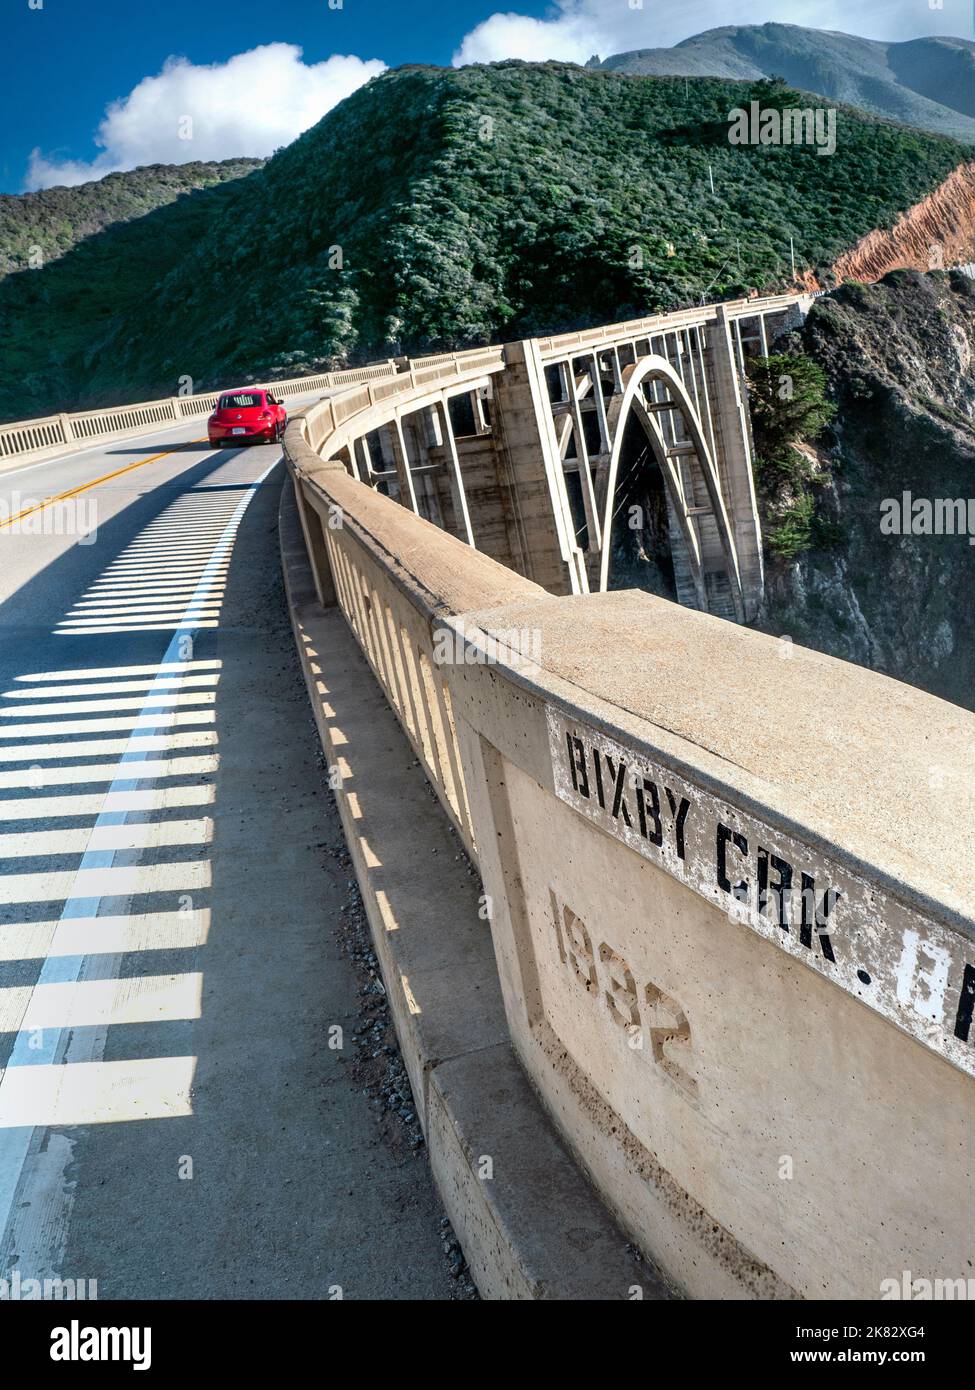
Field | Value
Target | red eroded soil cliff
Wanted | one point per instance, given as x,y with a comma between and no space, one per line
934,234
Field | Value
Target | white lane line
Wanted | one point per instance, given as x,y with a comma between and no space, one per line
42,1241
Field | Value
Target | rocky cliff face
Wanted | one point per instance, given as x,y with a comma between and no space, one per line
894,589
936,233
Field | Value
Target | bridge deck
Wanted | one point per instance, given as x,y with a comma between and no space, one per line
171,880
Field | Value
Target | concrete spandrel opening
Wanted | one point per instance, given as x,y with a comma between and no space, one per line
642,538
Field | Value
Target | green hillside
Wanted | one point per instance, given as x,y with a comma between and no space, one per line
928,83
43,226
473,204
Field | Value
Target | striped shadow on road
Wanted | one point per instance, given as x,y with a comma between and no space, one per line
106,830
171,576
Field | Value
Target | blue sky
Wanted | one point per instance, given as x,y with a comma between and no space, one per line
75,56
68,60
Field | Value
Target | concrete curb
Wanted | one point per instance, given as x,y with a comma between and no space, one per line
530,1225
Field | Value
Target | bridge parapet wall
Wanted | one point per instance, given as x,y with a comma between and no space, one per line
734,936
730,896
46,436
393,573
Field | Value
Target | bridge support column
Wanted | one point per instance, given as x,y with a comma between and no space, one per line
729,410
401,460
525,438
457,478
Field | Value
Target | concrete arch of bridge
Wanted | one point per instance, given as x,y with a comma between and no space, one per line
635,378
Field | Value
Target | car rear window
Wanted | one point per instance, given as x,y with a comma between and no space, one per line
241,401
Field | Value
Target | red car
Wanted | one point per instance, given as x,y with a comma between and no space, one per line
247,416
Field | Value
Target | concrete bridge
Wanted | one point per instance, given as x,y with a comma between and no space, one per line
674,919
537,452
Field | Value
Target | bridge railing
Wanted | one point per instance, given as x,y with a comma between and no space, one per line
53,433
670,322
363,541
730,906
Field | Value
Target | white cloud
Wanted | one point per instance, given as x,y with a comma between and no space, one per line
578,28
249,105
571,36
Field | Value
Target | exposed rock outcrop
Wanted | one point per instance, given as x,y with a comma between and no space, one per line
900,362
934,234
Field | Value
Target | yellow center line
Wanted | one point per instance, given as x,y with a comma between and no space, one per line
95,482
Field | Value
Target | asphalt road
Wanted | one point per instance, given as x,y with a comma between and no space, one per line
173,1120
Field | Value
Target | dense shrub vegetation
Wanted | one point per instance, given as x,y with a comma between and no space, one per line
40,227
447,207
788,403
789,408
